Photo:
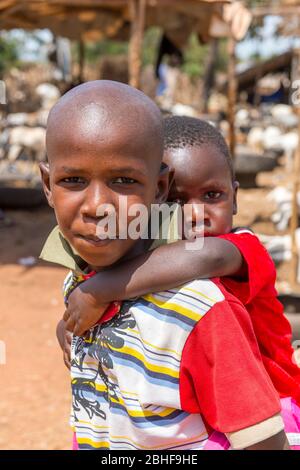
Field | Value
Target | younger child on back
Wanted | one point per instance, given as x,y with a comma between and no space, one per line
199,157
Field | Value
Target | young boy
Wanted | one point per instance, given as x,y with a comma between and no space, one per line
198,154
162,370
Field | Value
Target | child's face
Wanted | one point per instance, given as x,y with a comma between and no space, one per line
202,177
87,171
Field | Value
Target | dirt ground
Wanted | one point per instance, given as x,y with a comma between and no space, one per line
34,384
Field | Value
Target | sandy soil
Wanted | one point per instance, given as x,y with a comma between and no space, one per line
34,384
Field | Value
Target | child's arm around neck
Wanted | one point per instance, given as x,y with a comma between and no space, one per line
165,267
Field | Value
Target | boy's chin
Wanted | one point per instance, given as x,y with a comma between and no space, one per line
102,255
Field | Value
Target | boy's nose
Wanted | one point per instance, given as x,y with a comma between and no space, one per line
96,196
197,212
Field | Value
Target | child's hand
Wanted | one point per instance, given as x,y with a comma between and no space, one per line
83,312
65,340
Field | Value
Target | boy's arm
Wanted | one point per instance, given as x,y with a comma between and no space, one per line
161,269
247,285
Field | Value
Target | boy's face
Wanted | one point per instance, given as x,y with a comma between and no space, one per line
86,171
202,177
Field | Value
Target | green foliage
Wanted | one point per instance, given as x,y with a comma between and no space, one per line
150,45
8,54
195,56
194,53
222,59
94,51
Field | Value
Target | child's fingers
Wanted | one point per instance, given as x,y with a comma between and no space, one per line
67,360
66,315
67,353
68,337
79,330
70,324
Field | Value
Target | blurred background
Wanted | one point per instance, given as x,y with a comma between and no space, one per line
235,64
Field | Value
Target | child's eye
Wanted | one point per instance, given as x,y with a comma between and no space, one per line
212,195
123,180
179,201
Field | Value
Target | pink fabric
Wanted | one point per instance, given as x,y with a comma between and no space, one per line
290,413
217,441
75,443
291,416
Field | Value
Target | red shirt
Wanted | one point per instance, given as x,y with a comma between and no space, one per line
222,375
272,329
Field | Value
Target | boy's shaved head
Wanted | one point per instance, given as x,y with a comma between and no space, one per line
102,107
105,147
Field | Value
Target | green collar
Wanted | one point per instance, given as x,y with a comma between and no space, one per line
58,250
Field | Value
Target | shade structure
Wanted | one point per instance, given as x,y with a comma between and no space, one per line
93,20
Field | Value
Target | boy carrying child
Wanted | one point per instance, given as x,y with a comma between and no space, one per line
160,371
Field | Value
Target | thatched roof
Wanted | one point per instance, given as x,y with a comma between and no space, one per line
96,19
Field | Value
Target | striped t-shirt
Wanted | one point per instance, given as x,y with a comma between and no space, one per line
166,368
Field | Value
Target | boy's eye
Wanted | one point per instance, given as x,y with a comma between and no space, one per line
73,180
212,195
124,180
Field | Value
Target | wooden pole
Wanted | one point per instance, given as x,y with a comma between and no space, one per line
294,218
232,92
137,14
209,72
81,52
296,178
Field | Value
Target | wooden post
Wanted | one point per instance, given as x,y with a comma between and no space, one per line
296,178
232,92
294,217
209,72
81,53
137,14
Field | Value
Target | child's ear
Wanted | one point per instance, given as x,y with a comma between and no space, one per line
171,177
45,175
162,190
236,186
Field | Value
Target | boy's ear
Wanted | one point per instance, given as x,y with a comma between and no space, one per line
162,190
45,175
236,186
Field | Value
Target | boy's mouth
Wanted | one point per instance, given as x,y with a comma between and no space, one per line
94,240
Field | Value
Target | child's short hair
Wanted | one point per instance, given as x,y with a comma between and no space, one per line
184,131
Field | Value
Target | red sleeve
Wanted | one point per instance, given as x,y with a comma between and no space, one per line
222,375
261,272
